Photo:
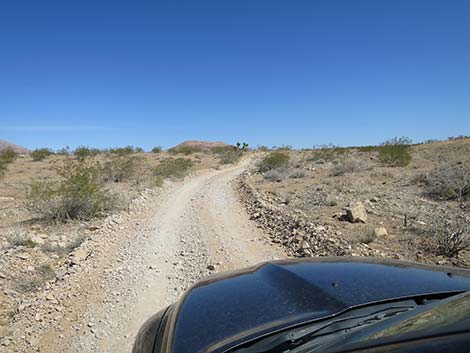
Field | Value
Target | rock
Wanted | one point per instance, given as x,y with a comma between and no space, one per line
22,256
380,232
78,256
357,213
211,267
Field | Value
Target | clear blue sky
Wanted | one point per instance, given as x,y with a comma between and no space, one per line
299,72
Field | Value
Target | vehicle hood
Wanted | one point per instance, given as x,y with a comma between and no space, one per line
233,306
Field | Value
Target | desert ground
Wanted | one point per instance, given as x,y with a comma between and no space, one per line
87,283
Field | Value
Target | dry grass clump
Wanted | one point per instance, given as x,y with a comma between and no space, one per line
448,182
450,237
277,174
349,166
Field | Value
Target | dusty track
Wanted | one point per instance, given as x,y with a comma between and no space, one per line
152,261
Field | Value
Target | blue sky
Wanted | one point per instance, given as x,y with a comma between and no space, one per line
301,72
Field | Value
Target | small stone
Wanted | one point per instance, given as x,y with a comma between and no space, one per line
380,232
211,267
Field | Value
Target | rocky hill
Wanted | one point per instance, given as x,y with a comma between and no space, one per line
200,145
19,149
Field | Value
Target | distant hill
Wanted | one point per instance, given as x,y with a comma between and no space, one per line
19,149
200,145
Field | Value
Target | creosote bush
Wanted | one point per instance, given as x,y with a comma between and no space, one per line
395,155
41,154
8,155
78,194
273,160
173,168
157,149
125,151
121,168
84,152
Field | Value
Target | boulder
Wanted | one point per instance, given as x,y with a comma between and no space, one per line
357,213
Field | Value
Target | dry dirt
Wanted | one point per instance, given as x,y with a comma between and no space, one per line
138,263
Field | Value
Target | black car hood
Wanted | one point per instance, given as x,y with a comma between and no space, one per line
232,306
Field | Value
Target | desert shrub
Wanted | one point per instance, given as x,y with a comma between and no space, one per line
450,237
63,151
327,153
138,150
46,272
84,152
273,160
123,151
451,182
349,166
3,169
40,154
157,149
173,168
77,195
28,285
27,242
263,148
120,168
229,157
394,155
186,150
367,237
8,155
277,174
398,141
297,174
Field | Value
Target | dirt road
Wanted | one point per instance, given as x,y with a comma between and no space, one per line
148,263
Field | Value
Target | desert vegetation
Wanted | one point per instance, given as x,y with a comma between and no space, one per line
413,198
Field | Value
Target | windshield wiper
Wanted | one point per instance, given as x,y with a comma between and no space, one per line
288,341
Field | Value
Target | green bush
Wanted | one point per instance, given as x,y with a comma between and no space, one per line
157,149
173,168
8,155
124,151
120,168
274,160
84,152
3,168
395,155
40,154
77,195
327,153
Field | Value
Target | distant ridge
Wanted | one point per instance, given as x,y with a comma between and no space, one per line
19,149
200,145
